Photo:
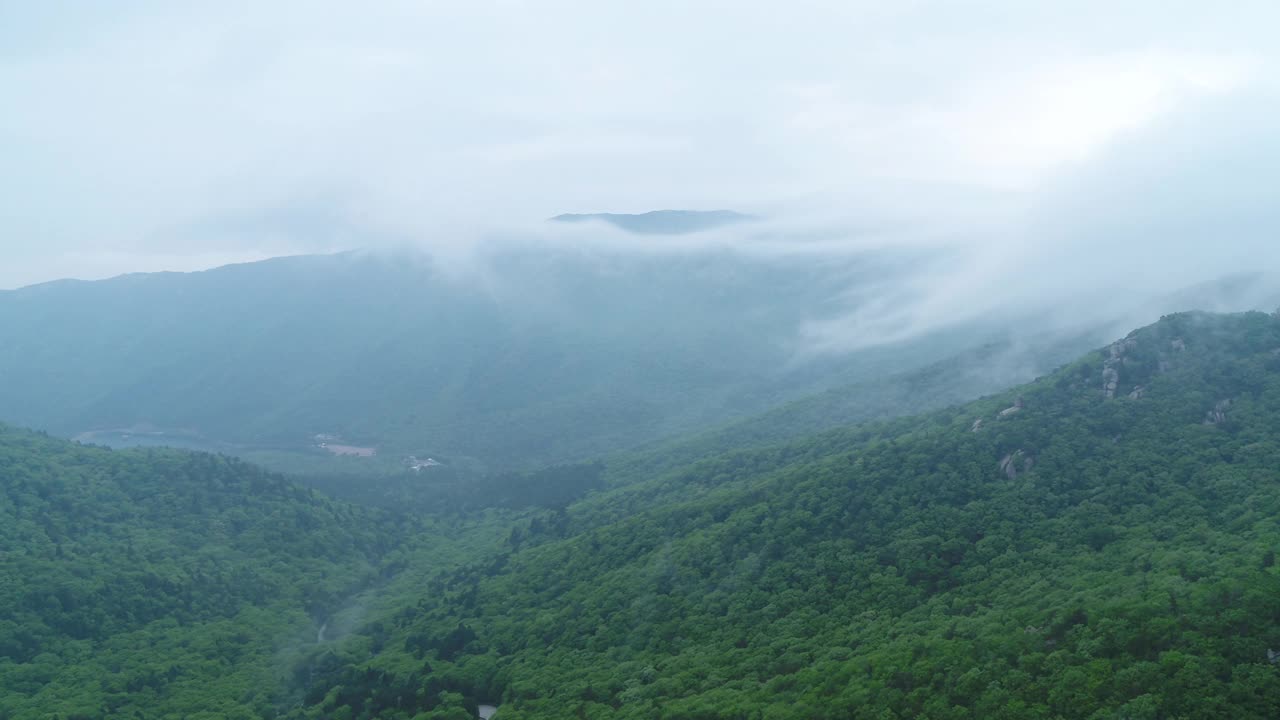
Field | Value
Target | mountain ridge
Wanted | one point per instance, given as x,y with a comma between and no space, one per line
1109,552
164,582
551,357
1099,543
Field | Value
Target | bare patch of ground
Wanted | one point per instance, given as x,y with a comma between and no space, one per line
352,450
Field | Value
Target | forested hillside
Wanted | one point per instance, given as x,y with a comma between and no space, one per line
1098,544
984,370
525,354
575,360
529,357
156,583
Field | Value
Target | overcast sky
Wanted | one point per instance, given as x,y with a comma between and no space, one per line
175,135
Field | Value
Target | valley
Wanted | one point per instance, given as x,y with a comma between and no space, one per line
148,437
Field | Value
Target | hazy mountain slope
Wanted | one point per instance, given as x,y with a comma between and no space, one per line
156,583
1019,350
960,378
524,355
541,356
661,222
1104,550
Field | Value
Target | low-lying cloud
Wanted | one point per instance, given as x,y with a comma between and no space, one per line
1023,157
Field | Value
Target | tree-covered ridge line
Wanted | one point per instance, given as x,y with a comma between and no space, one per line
543,356
991,368
1100,545
154,583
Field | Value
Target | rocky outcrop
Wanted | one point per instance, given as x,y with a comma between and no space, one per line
1177,344
1017,405
1016,462
1111,366
1137,393
977,425
1110,381
1218,413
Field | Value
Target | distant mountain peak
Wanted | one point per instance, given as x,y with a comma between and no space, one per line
662,222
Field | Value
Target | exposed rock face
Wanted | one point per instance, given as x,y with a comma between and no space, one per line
1017,405
1110,381
1016,462
977,425
1111,366
1218,413
1008,467
1177,345
1137,393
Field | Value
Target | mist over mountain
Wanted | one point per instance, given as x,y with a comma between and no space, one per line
520,355
634,361
661,222
529,355
560,354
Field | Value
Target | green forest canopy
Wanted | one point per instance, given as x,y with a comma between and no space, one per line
1098,544
1082,556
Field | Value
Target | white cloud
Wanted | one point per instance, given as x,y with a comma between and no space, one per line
408,119
1010,129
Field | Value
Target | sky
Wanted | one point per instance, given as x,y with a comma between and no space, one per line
1057,142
